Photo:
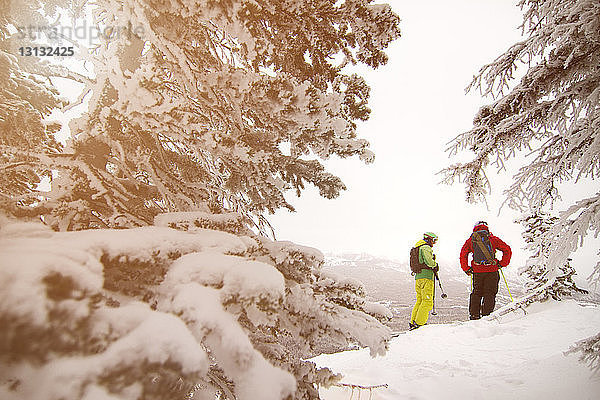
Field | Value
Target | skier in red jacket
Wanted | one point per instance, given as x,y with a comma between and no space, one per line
484,268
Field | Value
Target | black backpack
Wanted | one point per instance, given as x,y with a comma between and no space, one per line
415,265
483,253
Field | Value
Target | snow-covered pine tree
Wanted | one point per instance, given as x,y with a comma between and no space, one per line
553,112
194,105
30,153
27,141
227,103
541,283
164,311
590,352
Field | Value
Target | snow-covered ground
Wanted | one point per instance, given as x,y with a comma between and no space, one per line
515,356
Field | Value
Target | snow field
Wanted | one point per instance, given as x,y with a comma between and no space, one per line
512,357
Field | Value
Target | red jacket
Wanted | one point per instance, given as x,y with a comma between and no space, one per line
497,244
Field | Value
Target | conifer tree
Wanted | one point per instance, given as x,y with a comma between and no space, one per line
27,140
541,283
226,103
589,350
552,114
196,305
201,116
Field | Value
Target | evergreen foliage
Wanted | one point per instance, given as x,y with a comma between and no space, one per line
200,116
542,283
553,112
589,350
27,142
229,104
156,312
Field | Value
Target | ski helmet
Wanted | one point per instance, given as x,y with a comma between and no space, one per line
480,225
430,235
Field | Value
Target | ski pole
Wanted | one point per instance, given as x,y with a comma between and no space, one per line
433,311
506,283
443,295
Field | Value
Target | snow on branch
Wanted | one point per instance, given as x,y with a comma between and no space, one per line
546,273
228,222
594,277
156,313
551,115
571,228
360,388
205,104
553,111
589,350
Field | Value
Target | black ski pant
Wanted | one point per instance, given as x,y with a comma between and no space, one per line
485,287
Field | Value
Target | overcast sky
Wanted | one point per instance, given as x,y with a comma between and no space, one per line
418,105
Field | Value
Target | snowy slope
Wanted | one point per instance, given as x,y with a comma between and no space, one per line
512,357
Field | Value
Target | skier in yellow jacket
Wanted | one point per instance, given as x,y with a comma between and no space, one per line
424,281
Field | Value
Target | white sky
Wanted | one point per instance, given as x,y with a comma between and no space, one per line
418,105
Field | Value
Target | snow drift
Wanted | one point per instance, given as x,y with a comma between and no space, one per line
515,356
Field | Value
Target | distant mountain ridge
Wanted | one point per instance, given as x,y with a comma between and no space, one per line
364,259
448,270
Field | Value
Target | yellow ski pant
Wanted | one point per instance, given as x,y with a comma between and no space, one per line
424,304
